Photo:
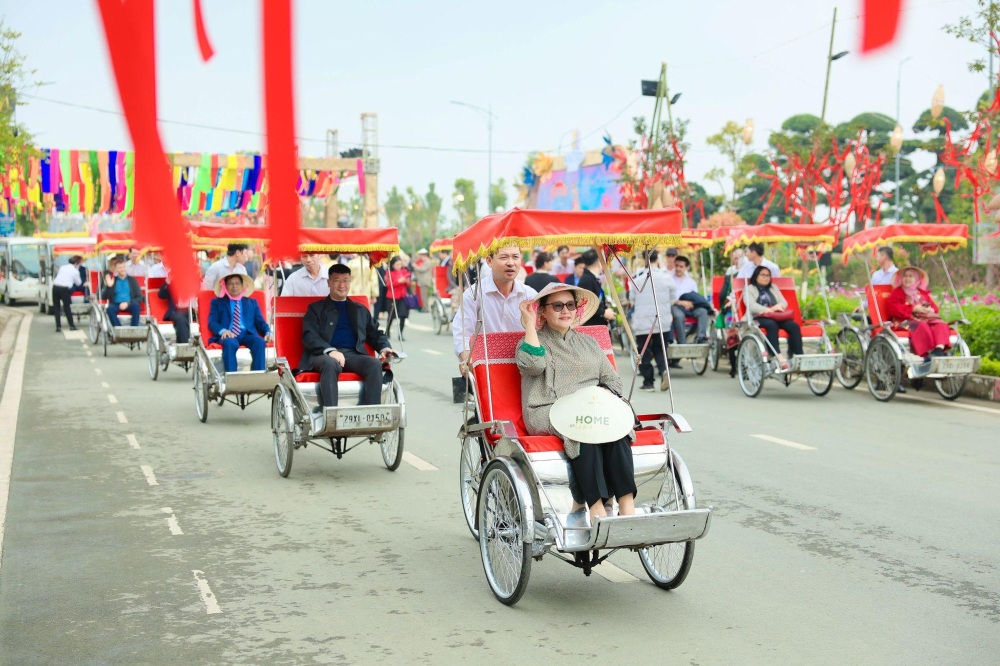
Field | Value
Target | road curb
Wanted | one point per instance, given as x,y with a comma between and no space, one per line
983,387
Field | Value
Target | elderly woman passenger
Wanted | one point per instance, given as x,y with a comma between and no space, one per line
910,305
555,361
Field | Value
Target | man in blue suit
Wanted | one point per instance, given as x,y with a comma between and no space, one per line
236,321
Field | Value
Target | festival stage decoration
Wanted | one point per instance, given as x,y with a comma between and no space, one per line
578,181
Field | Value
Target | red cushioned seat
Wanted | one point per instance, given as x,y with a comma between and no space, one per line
548,443
313,377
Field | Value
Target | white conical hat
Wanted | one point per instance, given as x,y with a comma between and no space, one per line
592,415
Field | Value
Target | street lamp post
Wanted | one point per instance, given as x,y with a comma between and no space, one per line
490,117
829,61
899,82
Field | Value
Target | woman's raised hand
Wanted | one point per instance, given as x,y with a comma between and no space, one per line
529,310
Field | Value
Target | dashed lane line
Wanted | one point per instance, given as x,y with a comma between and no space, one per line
147,471
207,597
175,528
98,372
432,352
89,353
74,335
419,463
105,385
418,327
133,442
121,417
93,360
112,399
785,442
10,404
614,574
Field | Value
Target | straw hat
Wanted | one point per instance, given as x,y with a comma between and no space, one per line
592,415
422,251
247,283
897,279
586,300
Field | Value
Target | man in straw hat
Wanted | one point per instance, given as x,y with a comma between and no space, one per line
236,321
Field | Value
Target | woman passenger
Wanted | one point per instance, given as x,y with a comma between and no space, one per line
770,309
397,281
910,306
556,361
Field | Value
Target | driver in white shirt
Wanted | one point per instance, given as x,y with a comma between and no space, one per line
310,280
755,258
157,270
886,267
135,266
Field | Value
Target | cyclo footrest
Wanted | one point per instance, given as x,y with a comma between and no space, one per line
649,529
130,333
814,362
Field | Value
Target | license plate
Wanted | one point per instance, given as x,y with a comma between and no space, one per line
955,365
364,417
814,364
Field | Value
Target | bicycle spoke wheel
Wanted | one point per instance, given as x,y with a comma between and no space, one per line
852,364
506,558
882,370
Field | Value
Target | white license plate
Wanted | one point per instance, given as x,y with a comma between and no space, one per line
364,417
955,365
813,364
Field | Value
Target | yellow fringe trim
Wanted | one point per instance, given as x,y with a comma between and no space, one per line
62,234
744,239
530,242
950,243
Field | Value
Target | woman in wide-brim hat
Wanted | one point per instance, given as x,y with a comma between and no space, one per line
556,361
910,306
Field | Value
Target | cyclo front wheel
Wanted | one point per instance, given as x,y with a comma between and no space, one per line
392,442
282,431
750,367
882,370
201,390
506,558
668,564
152,356
470,471
951,387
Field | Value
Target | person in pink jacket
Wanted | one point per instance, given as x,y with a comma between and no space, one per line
398,281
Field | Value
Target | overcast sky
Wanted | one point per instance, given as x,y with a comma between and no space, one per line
547,68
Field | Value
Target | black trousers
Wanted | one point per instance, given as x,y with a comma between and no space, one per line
604,471
369,367
771,327
653,352
62,297
182,326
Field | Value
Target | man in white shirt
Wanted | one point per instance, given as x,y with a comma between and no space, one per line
157,270
502,294
886,267
689,303
67,277
563,264
308,280
644,324
755,257
229,264
134,266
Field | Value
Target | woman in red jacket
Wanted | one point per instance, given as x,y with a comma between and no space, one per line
397,286
910,306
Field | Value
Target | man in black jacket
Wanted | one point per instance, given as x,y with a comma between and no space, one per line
591,282
334,333
122,293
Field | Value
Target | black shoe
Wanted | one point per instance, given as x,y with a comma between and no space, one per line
58,330
647,387
901,389
674,363
73,328
937,353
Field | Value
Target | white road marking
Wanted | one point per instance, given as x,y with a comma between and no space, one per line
112,399
433,352
89,353
10,404
147,471
418,327
420,464
133,442
211,605
121,417
613,573
172,523
105,385
97,371
73,335
785,442
93,360
949,403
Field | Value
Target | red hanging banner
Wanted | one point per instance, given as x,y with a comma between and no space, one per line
204,45
881,20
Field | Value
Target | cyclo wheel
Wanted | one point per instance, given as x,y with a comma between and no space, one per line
506,559
750,367
882,370
200,390
152,356
104,341
852,364
93,326
700,365
392,442
820,383
282,430
714,350
668,564
470,471
951,387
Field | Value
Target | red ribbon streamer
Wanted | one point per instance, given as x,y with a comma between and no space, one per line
279,109
881,21
204,45
129,33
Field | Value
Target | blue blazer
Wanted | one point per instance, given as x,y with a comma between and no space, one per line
220,319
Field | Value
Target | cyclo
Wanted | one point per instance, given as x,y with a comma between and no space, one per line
440,298
756,358
880,351
296,420
514,487
701,354
100,326
212,383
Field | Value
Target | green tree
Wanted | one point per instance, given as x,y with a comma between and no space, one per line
498,196
16,142
729,142
395,204
432,207
977,28
464,201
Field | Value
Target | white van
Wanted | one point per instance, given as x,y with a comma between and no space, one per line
21,260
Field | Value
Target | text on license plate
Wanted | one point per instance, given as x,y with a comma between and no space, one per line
957,365
815,364
364,418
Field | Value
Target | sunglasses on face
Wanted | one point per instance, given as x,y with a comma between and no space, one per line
558,307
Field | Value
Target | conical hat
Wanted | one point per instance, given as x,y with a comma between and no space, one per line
220,286
592,415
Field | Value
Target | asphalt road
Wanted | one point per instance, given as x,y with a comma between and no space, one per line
874,541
